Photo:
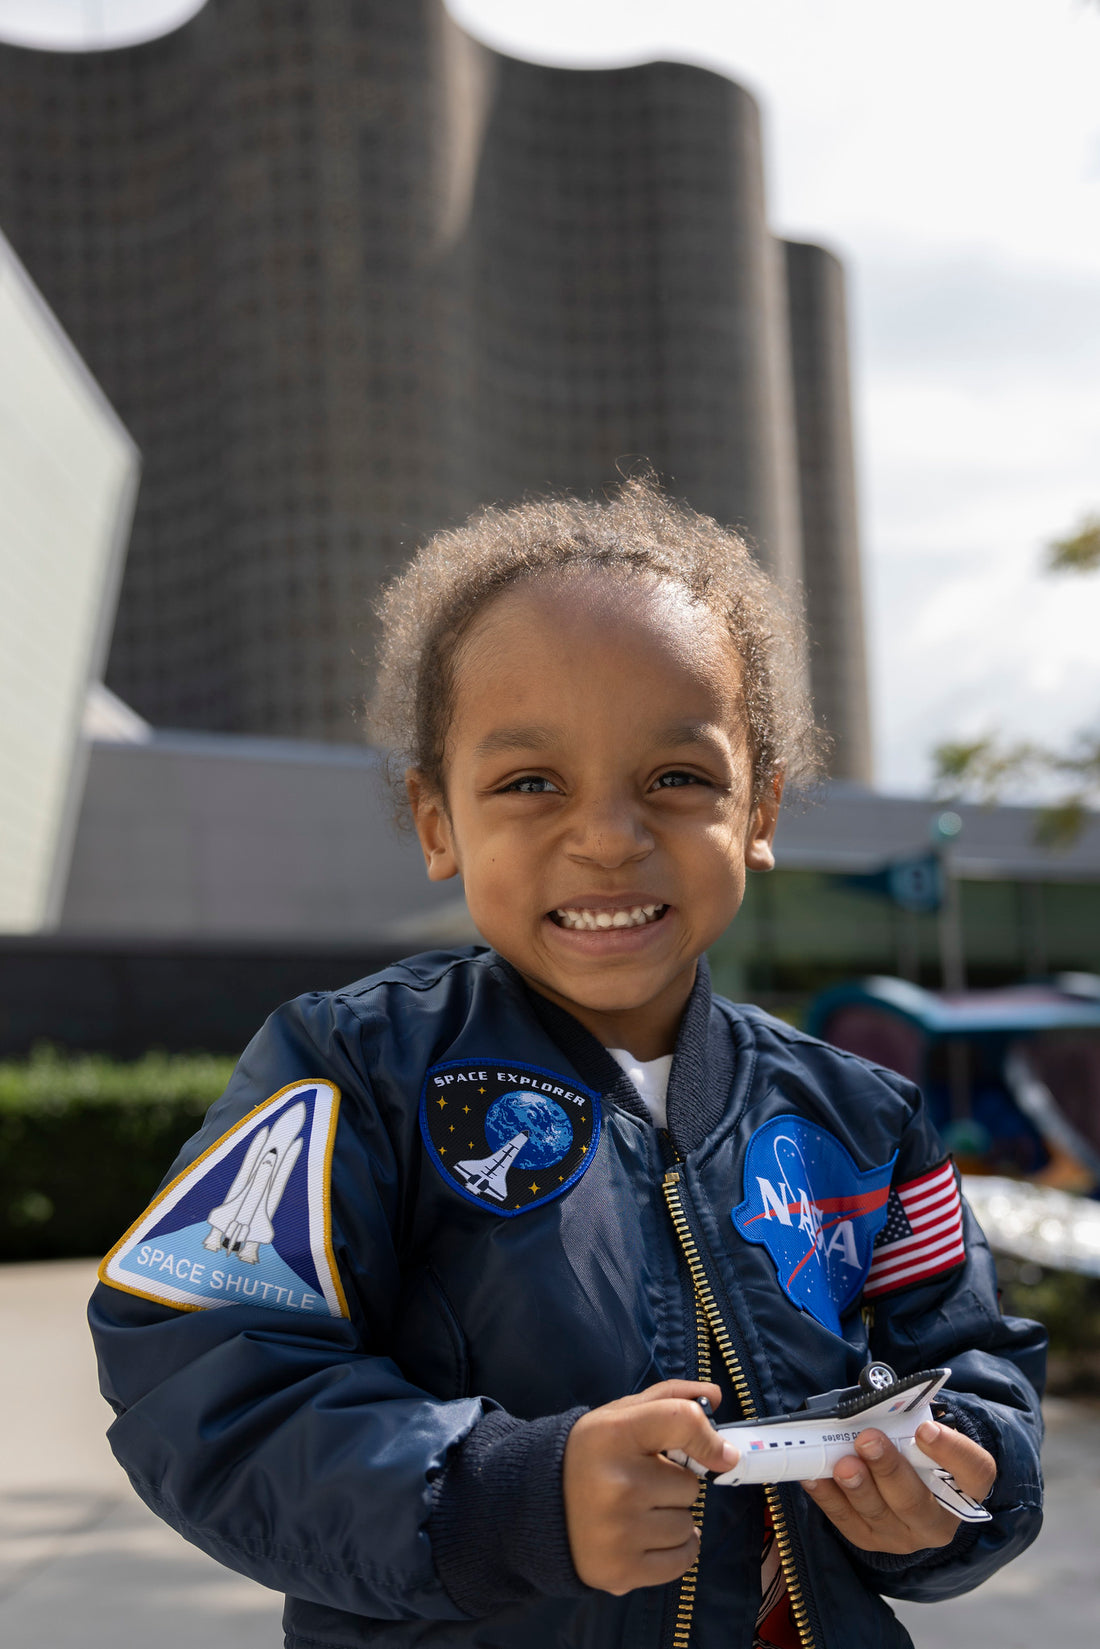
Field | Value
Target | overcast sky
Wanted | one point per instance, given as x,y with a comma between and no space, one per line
950,153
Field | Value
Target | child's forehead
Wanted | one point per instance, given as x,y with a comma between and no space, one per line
594,652
613,609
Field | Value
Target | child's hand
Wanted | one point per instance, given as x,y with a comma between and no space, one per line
880,1503
627,1508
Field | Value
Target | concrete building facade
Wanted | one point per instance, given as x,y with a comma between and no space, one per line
346,273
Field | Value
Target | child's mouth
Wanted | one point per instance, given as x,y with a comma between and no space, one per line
599,921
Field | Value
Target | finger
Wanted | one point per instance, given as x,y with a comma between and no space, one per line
893,1500
856,1482
894,1479
882,1528
973,1468
677,1423
831,1499
690,1389
666,1530
662,1482
657,1568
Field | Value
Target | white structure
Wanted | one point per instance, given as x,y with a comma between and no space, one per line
68,481
218,838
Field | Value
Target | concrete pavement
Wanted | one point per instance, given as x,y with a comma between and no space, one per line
83,1565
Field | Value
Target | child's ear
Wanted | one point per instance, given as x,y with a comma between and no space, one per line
433,827
761,831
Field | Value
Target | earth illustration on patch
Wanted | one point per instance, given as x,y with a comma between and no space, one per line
548,1129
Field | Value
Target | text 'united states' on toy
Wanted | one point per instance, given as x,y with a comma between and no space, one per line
800,1447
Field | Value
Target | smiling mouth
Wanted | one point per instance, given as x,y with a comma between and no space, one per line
599,921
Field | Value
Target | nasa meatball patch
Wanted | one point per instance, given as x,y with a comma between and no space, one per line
815,1212
248,1221
508,1136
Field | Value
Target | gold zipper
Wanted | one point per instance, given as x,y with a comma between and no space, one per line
685,1602
709,1317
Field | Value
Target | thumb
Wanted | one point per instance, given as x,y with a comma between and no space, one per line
700,1446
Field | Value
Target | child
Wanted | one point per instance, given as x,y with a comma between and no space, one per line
481,1227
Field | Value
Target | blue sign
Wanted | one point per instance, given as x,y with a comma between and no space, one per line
915,884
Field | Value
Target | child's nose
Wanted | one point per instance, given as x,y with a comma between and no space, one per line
609,833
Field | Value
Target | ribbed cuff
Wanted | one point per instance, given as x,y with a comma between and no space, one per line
498,1529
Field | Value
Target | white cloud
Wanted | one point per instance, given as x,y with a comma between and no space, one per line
64,25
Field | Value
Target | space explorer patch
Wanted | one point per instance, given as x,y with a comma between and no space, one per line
507,1135
814,1211
248,1221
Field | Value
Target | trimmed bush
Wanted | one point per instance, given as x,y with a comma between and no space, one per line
85,1140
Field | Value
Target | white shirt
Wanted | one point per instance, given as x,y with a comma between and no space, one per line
650,1077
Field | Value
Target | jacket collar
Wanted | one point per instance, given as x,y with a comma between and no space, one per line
702,1062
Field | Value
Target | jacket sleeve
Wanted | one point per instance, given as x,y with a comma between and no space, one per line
997,1366
292,1448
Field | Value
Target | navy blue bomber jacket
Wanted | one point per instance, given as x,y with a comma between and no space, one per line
429,1223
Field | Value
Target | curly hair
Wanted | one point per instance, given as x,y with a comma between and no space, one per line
427,612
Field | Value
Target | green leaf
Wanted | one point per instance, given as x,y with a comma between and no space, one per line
1062,823
1079,552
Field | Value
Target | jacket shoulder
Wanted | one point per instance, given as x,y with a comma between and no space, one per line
794,1048
454,976
460,971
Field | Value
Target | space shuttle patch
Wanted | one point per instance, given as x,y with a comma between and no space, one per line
508,1136
248,1221
815,1212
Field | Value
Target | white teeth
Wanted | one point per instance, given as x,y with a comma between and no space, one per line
593,921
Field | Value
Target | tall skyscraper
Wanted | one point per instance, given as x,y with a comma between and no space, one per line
347,273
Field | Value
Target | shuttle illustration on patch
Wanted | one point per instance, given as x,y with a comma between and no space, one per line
244,1220
248,1221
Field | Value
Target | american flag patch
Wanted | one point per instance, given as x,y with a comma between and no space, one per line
922,1235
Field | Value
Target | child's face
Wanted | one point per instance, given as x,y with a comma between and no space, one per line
598,797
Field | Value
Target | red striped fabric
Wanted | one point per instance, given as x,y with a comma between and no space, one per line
922,1235
775,1623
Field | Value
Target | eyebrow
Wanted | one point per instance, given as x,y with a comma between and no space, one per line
506,739
692,732
503,739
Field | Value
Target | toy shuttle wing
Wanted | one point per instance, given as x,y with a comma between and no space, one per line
808,1444
949,1495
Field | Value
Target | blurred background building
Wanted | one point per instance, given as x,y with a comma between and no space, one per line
344,273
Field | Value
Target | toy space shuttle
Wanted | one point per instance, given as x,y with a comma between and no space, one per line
244,1220
488,1176
809,1443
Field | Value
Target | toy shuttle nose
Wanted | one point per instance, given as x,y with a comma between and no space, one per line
488,1176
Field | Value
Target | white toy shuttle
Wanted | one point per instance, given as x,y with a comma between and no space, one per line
805,1445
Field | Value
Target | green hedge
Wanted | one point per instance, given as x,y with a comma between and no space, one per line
85,1140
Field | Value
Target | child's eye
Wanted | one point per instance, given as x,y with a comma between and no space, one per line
672,781
532,784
